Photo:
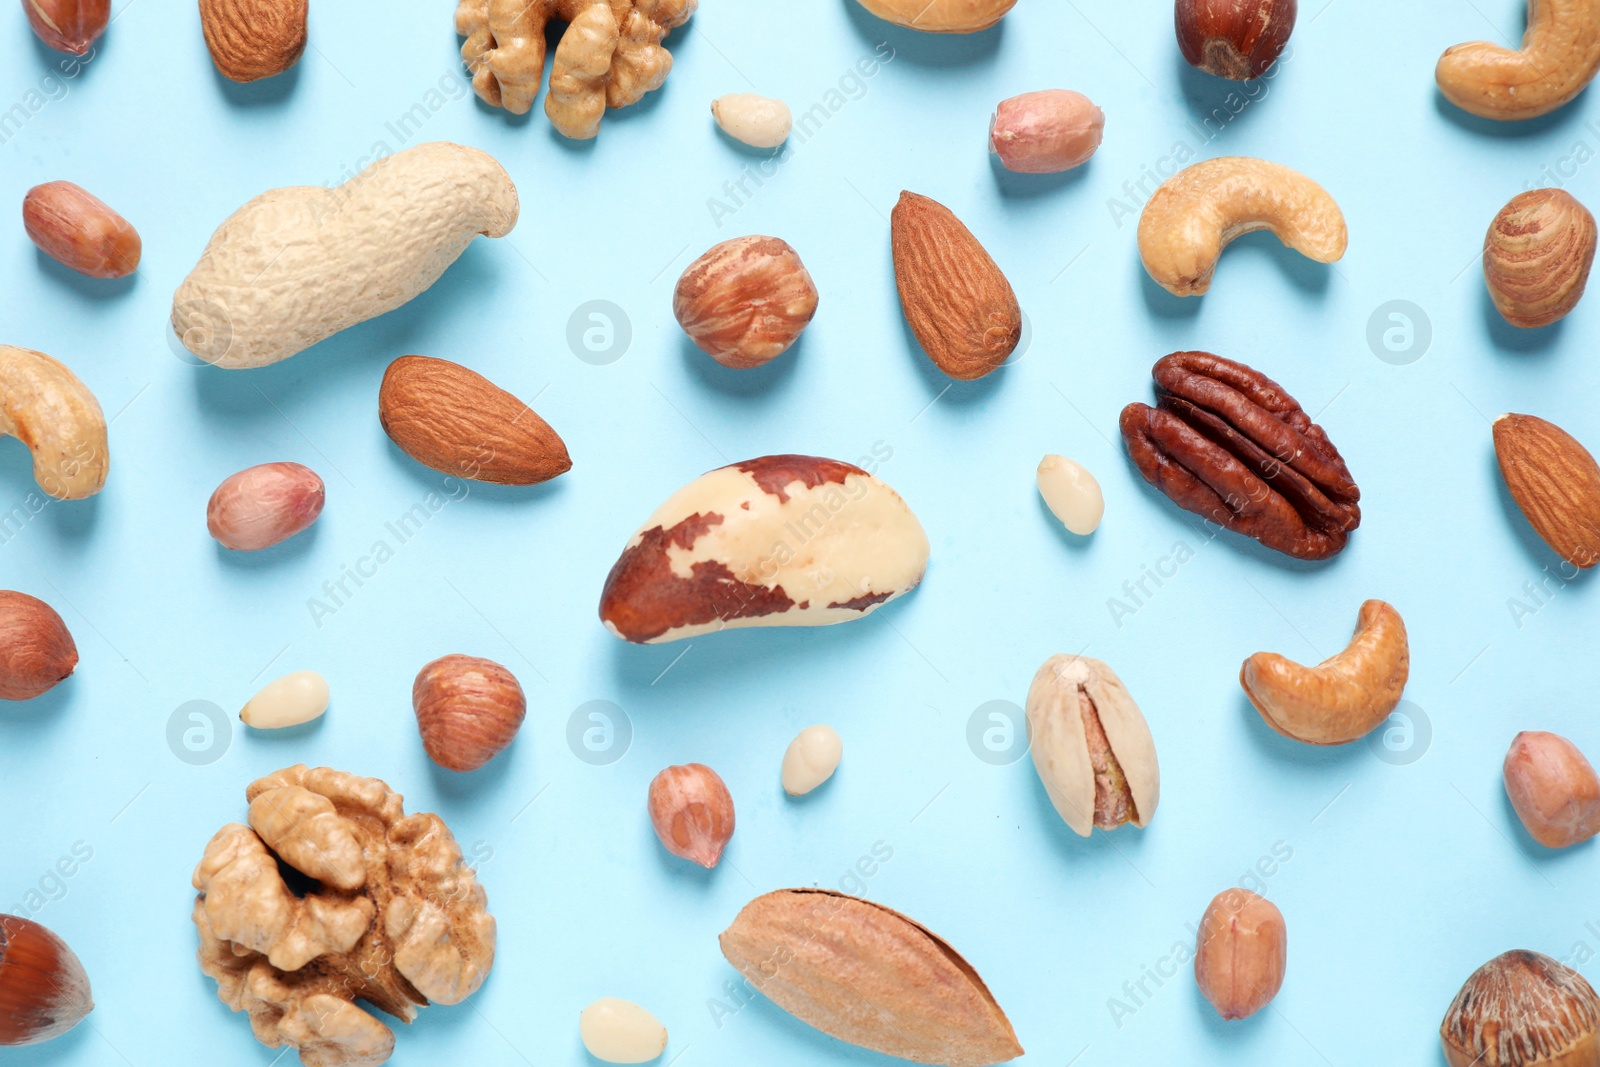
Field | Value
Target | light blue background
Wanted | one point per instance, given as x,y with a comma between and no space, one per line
1403,878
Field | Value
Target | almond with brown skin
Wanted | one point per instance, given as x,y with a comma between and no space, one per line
68,25
1556,483
254,39
957,302
36,650
870,976
458,422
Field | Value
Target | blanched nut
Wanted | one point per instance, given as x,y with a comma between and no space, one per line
295,698
379,907
1197,212
1559,57
1071,493
772,541
758,121
46,407
620,1031
1553,788
811,759
1241,953
1045,132
610,54
1091,746
264,505
1345,697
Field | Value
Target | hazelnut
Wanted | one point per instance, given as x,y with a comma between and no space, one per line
68,25
745,301
468,710
1553,789
263,505
36,650
1537,255
1522,1009
1241,953
692,812
44,991
1236,39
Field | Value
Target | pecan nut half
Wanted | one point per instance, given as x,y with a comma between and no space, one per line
1229,444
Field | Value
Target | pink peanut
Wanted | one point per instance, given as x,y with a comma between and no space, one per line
1045,132
263,505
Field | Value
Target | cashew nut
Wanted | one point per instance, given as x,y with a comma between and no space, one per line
297,265
1560,55
1199,210
1342,699
46,407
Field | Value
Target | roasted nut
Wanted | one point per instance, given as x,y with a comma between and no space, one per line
264,505
811,759
610,54
1091,746
824,958
1236,39
76,229
1197,212
68,25
44,991
468,710
1537,255
1241,952
37,652
254,39
957,302
333,895
1345,697
46,407
692,812
1227,443
941,16
1071,493
1556,483
458,422
619,1031
297,697
1553,788
745,301
773,541
297,265
1522,1009
1559,57
757,121
1045,132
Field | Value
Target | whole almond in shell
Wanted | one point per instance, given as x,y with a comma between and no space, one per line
870,976
458,422
1556,483
254,39
955,298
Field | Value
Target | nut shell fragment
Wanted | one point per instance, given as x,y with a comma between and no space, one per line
1523,1009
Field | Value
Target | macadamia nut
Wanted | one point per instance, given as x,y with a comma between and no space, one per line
757,121
1071,493
811,759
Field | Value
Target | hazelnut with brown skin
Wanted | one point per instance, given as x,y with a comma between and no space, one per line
1236,39
692,812
44,991
468,710
746,301
36,650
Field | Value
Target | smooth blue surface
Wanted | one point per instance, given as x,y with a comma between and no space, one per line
1401,877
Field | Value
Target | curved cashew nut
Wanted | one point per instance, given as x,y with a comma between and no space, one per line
1199,210
46,407
1342,699
1559,57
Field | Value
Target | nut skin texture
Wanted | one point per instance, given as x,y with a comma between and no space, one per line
1560,55
46,407
77,229
297,265
1229,444
70,26
460,423
44,990
1046,132
1197,212
1537,255
264,505
1344,698
468,710
833,953
37,652
745,301
254,39
610,55
941,16
955,298
692,812
1522,1009
1236,39
1241,953
1553,788
1556,483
